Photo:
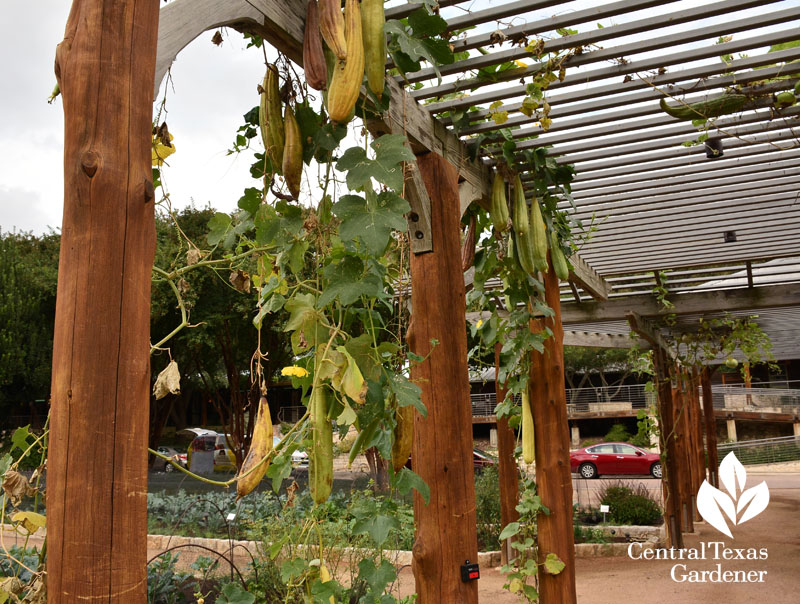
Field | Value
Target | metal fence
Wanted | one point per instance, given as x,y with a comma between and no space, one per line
767,450
602,399
765,400
630,398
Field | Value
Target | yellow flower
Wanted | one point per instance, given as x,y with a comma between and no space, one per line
294,371
161,151
521,63
478,324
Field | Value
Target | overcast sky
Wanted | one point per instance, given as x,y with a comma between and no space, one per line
214,86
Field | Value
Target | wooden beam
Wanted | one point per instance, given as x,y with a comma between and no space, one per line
588,279
182,21
576,338
719,301
603,340
419,218
508,475
552,444
446,532
648,332
100,389
471,194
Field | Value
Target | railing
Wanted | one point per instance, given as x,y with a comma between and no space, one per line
767,450
765,400
630,398
600,400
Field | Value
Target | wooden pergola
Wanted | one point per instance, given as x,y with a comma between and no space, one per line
669,213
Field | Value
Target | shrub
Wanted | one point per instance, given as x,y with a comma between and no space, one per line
630,505
618,433
164,583
487,508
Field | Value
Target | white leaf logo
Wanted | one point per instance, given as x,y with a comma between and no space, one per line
739,505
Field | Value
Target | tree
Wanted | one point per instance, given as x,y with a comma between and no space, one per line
609,367
214,352
28,275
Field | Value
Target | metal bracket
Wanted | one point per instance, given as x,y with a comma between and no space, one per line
419,218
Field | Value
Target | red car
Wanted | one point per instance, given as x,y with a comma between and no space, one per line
614,458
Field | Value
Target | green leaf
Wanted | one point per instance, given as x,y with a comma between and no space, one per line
305,323
784,46
217,228
386,168
405,480
5,462
291,569
510,530
377,527
250,201
19,440
350,381
371,223
553,564
377,577
348,282
299,308
530,593
425,24
407,392
440,50
295,255
279,470
414,48
234,593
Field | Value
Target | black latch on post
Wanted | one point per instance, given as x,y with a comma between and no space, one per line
470,572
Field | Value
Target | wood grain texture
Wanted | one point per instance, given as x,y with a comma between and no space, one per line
697,426
97,464
710,423
551,428
669,455
507,463
446,532
681,451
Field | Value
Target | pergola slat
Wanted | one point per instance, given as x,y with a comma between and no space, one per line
690,193
683,129
630,67
615,88
769,138
723,166
569,18
600,35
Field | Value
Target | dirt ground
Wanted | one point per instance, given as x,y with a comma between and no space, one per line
621,580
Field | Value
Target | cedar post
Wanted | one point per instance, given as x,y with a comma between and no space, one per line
698,438
553,477
446,533
669,451
682,443
711,427
509,482
96,510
